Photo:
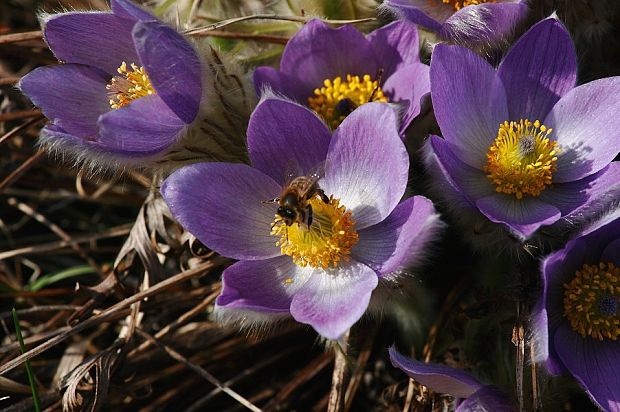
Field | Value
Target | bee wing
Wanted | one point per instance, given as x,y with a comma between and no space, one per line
291,171
317,172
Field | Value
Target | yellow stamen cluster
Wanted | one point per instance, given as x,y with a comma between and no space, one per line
522,159
132,84
337,98
327,242
591,301
459,4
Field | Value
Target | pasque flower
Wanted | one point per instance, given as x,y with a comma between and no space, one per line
472,23
521,144
577,319
456,382
334,71
321,272
127,87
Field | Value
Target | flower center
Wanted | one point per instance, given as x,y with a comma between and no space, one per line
337,98
325,243
132,84
592,300
522,159
459,4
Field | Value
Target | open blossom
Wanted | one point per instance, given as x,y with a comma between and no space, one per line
577,319
334,71
128,86
472,23
522,146
456,382
321,272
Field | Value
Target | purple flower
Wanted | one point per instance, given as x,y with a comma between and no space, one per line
321,272
577,319
333,71
474,24
521,144
455,382
127,88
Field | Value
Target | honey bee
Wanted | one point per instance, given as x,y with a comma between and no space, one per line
294,200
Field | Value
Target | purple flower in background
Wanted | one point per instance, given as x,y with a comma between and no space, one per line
333,71
474,24
320,272
577,319
458,383
127,88
521,144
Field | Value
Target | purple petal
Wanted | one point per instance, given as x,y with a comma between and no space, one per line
573,197
469,102
72,95
280,133
463,178
368,181
483,24
400,239
222,205
144,126
172,65
612,252
538,70
101,40
408,85
524,216
486,399
581,123
265,286
331,302
318,52
395,45
593,363
440,378
129,10
420,12
281,84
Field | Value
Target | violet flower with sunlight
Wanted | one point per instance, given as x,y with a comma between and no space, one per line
577,319
127,87
334,71
322,272
456,382
478,24
522,146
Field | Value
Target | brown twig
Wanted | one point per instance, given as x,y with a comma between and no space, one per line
19,128
336,395
356,378
18,37
196,272
19,114
5,81
243,36
10,179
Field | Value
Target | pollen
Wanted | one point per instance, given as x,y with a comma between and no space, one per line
522,159
459,4
131,84
592,300
326,243
338,98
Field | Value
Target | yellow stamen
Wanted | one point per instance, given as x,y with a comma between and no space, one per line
522,159
592,300
459,4
132,84
327,242
337,98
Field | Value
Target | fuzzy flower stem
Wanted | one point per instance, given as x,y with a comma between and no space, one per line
339,377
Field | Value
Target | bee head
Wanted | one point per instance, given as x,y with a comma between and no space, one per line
287,214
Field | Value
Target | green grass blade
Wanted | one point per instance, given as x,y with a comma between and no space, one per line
18,332
46,280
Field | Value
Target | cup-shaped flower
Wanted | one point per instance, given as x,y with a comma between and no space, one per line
334,71
127,87
577,319
456,382
478,24
332,240
521,144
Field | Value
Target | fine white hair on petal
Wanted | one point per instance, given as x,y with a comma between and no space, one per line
250,321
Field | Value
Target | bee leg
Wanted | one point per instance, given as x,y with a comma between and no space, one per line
309,209
274,200
324,197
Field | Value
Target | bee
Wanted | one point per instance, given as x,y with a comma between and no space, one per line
294,200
